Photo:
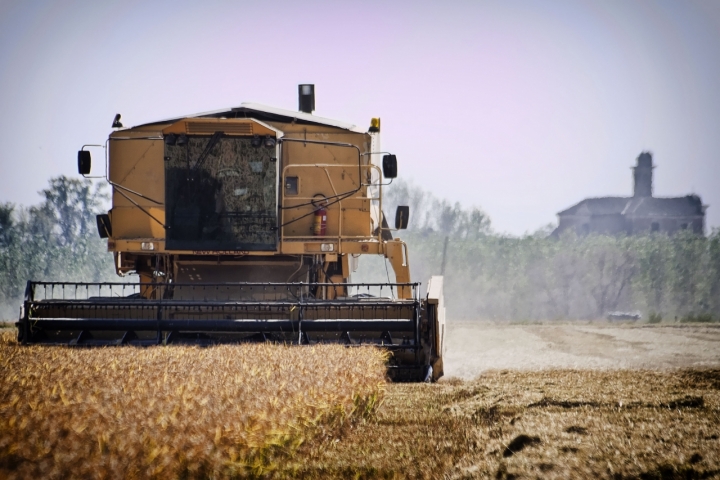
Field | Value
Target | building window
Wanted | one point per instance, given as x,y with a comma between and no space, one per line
654,227
683,226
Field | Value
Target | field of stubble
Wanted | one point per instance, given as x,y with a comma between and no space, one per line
184,412
295,420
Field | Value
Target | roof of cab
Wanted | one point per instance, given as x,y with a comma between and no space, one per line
268,114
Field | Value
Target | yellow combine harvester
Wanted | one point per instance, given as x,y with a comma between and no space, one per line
246,225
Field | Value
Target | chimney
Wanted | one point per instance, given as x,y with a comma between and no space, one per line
306,98
642,174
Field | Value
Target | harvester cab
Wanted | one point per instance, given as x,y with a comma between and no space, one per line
246,224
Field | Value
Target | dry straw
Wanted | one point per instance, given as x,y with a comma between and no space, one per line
565,424
174,411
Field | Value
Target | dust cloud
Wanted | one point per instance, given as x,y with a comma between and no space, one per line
475,347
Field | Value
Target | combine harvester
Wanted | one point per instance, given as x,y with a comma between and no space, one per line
245,225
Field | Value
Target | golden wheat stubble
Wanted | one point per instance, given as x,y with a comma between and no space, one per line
169,411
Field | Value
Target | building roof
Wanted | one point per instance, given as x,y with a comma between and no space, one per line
657,206
268,114
689,205
597,206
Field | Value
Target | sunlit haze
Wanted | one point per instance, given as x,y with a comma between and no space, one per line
520,107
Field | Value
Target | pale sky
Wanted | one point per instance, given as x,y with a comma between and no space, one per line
523,108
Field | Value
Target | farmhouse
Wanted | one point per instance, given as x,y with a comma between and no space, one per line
641,213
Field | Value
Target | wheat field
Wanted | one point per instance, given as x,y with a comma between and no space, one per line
272,411
174,412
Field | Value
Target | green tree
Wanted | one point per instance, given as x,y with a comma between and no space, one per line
52,241
536,277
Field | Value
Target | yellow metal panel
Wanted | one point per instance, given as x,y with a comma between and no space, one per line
317,247
345,262
135,246
346,246
323,132
396,252
350,246
142,131
137,165
326,171
299,220
356,217
292,248
131,222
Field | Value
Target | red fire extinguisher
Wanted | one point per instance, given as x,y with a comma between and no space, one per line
320,220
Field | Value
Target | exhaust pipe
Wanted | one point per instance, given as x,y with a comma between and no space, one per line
306,98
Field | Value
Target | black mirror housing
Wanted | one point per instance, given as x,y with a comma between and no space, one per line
402,216
389,166
84,162
103,225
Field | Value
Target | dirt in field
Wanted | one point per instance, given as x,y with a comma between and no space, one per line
585,424
587,401
476,347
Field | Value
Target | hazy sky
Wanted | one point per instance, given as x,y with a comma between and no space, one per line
520,107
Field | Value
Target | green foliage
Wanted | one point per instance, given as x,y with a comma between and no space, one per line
488,276
55,240
532,278
698,318
429,214
542,277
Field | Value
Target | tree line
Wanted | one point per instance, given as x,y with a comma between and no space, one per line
56,240
487,275
539,277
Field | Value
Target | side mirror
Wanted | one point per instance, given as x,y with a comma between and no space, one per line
103,225
402,215
389,166
84,162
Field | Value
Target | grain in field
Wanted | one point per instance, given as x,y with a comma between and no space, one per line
174,411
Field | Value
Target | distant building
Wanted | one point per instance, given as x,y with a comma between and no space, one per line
641,213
